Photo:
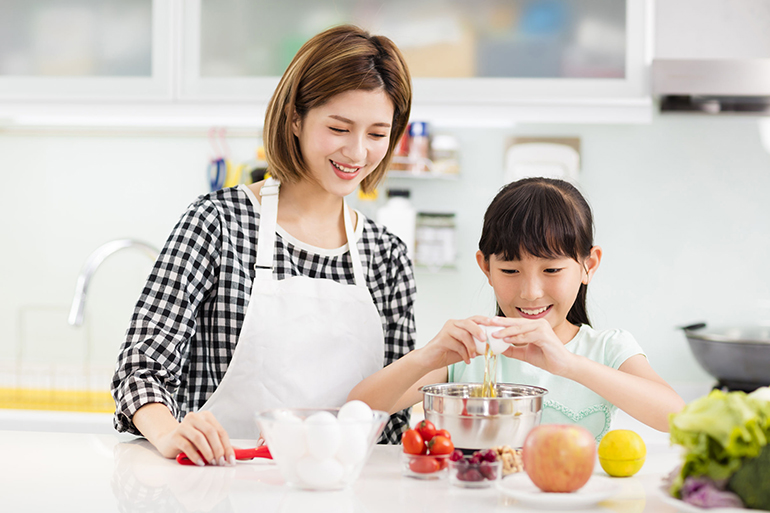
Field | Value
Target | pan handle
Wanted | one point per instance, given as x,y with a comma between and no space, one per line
693,327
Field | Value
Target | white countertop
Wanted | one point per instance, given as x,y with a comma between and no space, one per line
49,471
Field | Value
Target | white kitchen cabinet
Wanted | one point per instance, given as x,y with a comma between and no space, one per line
217,62
519,60
90,50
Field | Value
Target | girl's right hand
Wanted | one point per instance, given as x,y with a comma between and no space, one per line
454,343
201,437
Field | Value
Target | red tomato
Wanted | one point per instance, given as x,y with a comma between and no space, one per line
413,442
440,445
424,465
427,430
444,433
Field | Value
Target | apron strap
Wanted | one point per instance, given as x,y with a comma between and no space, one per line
267,226
350,233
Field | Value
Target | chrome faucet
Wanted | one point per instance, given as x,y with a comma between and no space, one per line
92,263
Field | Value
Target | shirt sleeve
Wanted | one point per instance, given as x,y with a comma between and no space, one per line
399,326
620,347
152,359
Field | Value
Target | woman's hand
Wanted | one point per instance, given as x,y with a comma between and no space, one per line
200,436
454,343
534,342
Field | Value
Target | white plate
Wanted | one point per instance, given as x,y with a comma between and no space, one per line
520,487
689,508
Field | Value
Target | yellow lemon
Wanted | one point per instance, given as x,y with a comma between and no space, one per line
622,453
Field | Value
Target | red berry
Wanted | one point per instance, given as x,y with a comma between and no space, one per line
488,470
457,455
490,455
471,475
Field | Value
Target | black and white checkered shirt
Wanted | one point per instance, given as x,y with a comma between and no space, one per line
186,323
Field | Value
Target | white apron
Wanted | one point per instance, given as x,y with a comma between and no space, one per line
305,343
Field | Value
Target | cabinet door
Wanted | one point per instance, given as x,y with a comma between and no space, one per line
485,51
86,50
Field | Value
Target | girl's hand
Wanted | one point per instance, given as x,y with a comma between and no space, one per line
534,342
454,343
201,437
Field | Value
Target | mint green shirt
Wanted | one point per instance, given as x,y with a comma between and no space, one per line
567,402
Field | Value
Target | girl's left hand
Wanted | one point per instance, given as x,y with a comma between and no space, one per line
534,342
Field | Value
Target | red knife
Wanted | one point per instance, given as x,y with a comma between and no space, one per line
240,454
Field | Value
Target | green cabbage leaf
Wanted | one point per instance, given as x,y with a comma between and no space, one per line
718,432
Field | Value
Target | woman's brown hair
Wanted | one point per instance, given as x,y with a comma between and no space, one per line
544,218
313,77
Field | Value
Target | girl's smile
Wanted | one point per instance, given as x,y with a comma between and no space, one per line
534,313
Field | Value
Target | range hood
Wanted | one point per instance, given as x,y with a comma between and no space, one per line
712,56
712,85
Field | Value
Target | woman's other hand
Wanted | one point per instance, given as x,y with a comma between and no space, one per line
200,436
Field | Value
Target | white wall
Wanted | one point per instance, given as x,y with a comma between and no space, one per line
681,212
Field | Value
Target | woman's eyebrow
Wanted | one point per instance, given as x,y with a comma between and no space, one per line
350,122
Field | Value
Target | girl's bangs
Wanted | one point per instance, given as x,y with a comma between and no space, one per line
543,226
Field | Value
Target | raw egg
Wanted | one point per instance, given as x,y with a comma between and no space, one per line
322,432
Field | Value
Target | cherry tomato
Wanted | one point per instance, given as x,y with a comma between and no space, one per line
413,442
424,465
440,445
427,430
444,433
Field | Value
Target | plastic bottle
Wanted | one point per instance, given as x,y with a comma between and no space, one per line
399,217
419,146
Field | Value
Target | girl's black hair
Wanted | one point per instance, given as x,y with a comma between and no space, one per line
544,218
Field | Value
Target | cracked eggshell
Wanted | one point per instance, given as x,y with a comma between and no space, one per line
322,432
496,344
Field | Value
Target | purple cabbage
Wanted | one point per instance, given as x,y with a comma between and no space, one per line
704,492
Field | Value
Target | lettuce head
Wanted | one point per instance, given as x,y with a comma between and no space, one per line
718,432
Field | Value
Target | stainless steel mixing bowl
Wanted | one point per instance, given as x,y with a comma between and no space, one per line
484,422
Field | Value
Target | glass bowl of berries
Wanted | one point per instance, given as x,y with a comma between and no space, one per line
480,470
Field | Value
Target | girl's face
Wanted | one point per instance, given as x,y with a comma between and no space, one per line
537,288
345,139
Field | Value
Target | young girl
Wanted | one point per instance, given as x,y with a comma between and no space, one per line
537,252
278,294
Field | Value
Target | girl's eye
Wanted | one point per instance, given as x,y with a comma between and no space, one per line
552,271
378,136
509,271
338,130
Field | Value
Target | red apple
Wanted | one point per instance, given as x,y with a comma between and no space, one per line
559,457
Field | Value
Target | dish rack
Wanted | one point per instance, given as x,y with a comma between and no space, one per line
39,378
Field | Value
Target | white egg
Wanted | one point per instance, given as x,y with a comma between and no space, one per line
288,437
496,344
322,433
319,473
354,444
355,410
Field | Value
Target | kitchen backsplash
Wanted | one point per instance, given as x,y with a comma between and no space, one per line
680,205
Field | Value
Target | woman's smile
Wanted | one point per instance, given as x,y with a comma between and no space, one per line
345,172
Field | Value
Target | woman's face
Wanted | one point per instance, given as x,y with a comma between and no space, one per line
345,139
536,288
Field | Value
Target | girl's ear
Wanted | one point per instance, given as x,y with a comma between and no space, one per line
591,263
483,264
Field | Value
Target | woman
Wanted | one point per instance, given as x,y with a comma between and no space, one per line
278,294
